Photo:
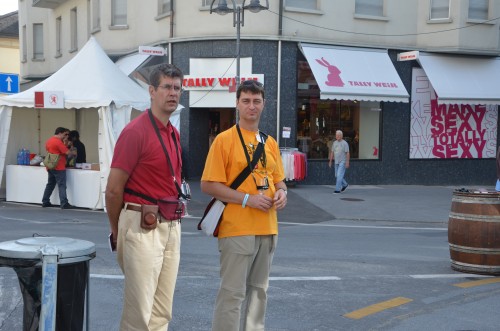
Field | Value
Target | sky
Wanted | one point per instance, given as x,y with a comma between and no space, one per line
8,6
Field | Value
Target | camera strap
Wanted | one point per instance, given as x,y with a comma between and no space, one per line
157,130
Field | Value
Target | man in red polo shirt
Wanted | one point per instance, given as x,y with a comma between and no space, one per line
57,175
139,176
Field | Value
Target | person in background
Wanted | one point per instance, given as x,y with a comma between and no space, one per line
497,186
81,156
248,232
149,258
339,152
55,145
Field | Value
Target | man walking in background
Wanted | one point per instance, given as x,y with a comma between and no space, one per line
340,152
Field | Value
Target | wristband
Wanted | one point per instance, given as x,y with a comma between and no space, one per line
286,193
245,199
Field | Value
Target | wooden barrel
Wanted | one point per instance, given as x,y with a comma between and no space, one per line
474,232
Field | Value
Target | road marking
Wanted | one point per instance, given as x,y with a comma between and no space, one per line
306,278
106,276
446,276
378,307
478,282
365,226
327,278
102,276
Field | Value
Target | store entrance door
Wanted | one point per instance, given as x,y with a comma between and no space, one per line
219,119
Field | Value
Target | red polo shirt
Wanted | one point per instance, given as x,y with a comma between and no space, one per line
55,145
138,152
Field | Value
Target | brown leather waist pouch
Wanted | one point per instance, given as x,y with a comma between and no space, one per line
149,217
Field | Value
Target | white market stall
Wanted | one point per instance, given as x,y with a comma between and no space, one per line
98,101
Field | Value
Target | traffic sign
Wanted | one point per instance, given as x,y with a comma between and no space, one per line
9,83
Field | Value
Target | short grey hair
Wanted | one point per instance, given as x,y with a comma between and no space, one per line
339,131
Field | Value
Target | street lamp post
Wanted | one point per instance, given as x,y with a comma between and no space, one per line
238,21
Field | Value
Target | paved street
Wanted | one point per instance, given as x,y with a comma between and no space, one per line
372,258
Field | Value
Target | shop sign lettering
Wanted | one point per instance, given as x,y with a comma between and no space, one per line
375,84
201,82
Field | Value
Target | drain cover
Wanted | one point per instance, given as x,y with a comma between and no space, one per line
351,199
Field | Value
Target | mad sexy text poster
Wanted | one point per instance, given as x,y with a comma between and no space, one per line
442,131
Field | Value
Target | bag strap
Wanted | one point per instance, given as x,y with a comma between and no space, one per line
157,130
256,156
140,195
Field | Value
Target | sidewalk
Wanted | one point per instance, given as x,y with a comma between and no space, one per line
393,203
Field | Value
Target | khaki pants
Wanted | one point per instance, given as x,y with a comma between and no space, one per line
149,260
245,266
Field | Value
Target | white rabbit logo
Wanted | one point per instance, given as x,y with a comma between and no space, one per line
334,75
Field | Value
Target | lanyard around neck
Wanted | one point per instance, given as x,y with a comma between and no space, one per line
256,155
157,130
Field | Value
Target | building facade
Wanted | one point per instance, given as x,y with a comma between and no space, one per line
9,48
406,81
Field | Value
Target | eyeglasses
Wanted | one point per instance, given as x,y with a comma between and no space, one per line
252,82
175,88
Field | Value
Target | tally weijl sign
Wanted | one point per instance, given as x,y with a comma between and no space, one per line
211,81
218,83
355,74
447,131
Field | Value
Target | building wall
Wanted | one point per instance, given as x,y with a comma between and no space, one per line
9,53
405,25
393,166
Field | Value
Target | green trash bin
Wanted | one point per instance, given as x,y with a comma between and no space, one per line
53,275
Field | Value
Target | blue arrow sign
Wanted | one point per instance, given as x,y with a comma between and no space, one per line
9,83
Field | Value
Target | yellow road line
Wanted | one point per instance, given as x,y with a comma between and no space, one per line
478,282
378,307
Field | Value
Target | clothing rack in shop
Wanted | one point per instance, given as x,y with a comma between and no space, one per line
294,164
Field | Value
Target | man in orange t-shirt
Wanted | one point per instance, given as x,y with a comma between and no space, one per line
55,145
249,229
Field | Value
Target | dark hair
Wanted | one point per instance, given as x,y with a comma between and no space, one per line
252,86
74,135
165,69
61,130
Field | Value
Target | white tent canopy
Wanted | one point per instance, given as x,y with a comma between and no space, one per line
89,80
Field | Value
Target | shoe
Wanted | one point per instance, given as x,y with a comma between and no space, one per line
68,206
47,204
336,192
344,188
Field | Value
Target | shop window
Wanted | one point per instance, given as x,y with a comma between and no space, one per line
369,7
440,9
478,10
318,120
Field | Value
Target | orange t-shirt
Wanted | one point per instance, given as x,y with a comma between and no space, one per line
55,146
225,161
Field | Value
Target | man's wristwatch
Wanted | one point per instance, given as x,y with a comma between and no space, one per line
286,192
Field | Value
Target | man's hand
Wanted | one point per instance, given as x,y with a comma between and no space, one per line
280,199
260,201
